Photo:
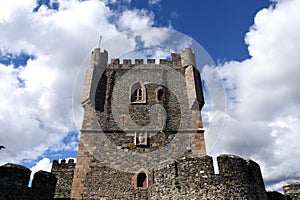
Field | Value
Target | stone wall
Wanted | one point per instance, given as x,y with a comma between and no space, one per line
103,182
194,178
64,172
185,178
116,82
14,181
168,116
292,190
43,186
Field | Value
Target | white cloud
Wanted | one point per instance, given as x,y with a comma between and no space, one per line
43,164
135,19
120,2
153,2
8,10
38,116
263,96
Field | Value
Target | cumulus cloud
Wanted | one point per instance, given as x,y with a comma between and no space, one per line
263,102
36,99
135,19
45,164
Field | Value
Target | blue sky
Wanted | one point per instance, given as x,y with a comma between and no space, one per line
44,43
219,26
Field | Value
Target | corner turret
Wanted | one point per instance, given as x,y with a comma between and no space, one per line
64,172
188,58
97,67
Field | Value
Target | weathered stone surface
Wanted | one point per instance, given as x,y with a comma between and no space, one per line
14,181
64,172
43,186
165,108
194,178
292,190
107,183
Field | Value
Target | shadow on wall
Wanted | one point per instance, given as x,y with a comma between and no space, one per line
14,181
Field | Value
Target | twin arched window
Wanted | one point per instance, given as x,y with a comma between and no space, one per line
138,93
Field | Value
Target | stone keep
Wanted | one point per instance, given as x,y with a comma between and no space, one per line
135,108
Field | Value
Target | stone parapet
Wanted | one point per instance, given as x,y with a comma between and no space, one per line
43,186
194,178
14,180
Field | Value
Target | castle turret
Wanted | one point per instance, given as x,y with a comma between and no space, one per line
64,173
98,64
188,58
14,181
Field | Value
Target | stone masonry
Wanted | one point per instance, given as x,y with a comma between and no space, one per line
14,180
194,178
64,172
292,191
125,112
185,178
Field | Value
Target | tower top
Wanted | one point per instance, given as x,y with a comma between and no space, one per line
188,58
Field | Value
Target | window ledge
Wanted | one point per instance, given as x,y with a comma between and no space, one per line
138,102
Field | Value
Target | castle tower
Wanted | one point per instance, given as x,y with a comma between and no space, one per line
136,116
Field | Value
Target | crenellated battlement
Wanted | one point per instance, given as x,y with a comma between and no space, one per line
182,59
228,165
117,61
64,172
232,164
237,177
61,164
185,178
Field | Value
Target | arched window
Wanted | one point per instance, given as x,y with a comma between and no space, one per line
160,95
142,180
138,93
